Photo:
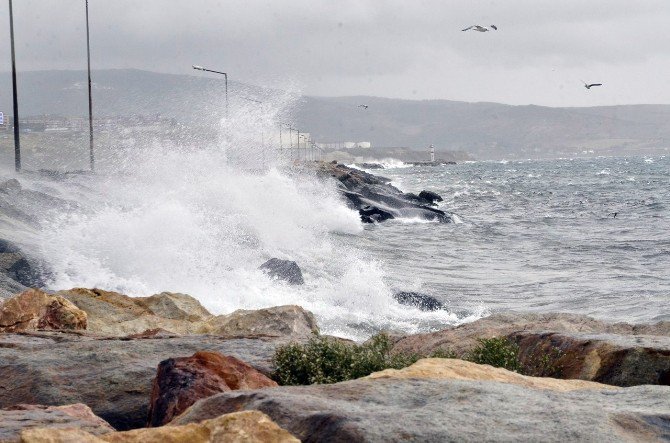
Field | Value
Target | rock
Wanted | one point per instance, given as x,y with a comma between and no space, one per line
369,166
21,271
10,186
180,382
365,192
418,300
430,408
372,214
21,417
621,360
238,427
285,270
289,320
34,309
114,314
175,306
463,338
454,369
113,376
430,196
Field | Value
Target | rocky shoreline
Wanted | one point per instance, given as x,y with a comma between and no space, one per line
89,365
99,364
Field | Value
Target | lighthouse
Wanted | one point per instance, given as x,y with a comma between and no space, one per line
432,154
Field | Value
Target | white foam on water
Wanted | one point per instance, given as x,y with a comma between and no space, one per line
201,220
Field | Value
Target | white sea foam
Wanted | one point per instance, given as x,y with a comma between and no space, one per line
201,221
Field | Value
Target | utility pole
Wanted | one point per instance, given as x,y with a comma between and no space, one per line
225,75
90,99
17,136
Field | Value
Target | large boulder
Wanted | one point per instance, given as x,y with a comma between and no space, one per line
18,271
34,309
621,360
182,381
17,419
290,320
114,314
111,375
285,270
420,405
430,197
463,338
238,427
422,301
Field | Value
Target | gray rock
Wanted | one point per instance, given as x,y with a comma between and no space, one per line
422,301
285,321
113,376
388,410
21,417
285,270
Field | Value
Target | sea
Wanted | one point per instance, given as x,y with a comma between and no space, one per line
582,235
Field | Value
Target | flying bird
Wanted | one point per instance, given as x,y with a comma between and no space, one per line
363,106
481,28
590,85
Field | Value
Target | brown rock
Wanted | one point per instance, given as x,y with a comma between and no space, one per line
454,369
15,420
463,338
621,360
239,427
34,309
114,314
288,320
180,382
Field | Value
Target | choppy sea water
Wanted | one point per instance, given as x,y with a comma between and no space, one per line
538,236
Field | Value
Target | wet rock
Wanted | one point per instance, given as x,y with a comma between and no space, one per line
180,382
364,191
285,270
19,271
463,338
372,214
10,186
369,165
113,376
114,314
289,321
238,427
418,300
430,196
445,409
34,309
19,418
621,360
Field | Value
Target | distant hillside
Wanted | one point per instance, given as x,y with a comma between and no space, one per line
486,130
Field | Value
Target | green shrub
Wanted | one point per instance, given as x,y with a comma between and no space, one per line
499,352
327,360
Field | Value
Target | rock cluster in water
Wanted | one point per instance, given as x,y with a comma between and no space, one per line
376,200
97,382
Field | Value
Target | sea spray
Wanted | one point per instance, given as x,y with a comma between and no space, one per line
201,219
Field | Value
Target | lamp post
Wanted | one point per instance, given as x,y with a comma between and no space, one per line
90,99
17,137
200,68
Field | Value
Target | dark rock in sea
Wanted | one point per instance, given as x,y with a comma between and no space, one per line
450,400
285,270
18,271
113,376
364,191
430,196
369,165
418,300
21,417
372,214
182,381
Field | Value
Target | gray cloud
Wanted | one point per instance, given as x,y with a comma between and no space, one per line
410,49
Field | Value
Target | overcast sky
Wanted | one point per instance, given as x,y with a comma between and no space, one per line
405,49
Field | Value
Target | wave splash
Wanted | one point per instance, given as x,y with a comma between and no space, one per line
201,220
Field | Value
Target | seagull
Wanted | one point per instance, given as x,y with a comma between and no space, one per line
590,85
481,28
363,106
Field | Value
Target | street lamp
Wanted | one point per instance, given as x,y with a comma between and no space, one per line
200,68
90,100
17,137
